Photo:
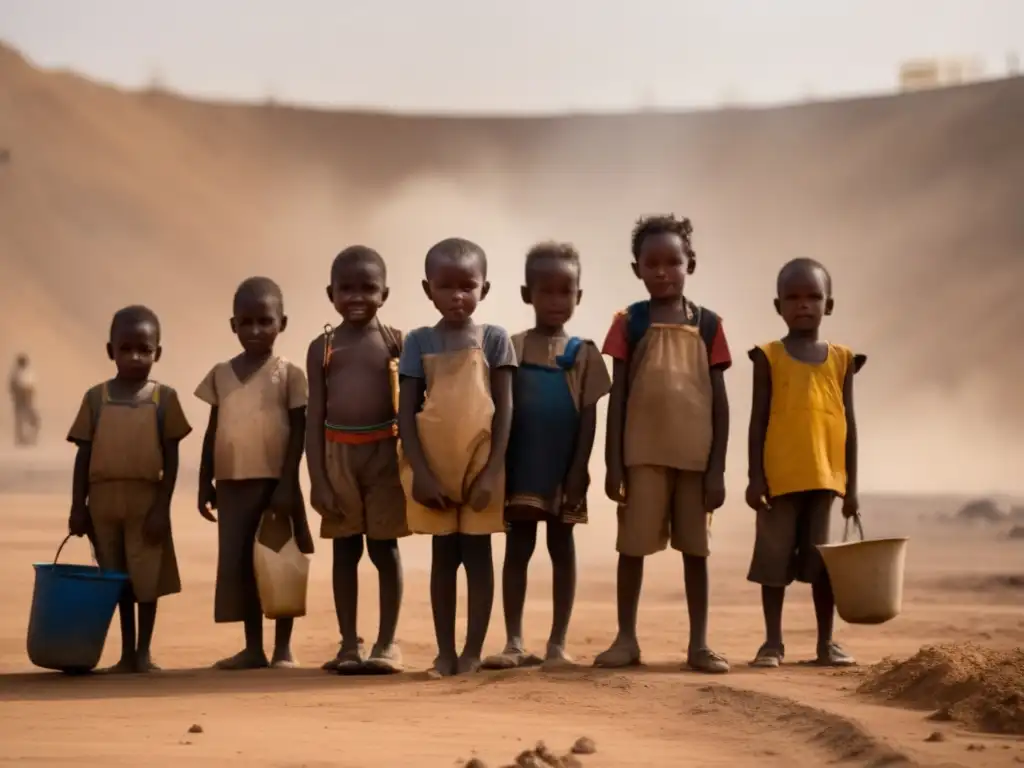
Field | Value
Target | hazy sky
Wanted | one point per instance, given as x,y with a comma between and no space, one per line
505,55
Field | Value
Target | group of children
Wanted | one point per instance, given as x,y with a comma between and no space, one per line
459,431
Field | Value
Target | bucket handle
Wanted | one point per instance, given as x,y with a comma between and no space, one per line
92,548
857,524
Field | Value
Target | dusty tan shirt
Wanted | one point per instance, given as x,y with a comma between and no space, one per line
252,418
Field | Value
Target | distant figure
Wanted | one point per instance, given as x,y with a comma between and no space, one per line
23,394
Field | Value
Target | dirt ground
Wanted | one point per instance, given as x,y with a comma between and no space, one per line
657,715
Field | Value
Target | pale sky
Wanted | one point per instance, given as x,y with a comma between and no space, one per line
504,56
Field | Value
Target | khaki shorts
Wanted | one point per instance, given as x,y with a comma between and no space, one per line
118,510
663,505
784,548
365,481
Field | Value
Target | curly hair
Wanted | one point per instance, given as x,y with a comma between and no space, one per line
135,314
798,265
565,252
665,224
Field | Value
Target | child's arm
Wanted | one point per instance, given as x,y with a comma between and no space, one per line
207,492
411,389
616,346
78,524
288,495
760,409
316,417
174,429
501,360
714,476
851,501
596,384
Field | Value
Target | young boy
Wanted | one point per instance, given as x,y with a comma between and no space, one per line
803,453
22,386
250,465
554,417
668,425
454,419
127,431
351,452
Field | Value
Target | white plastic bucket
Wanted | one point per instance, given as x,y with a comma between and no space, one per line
282,571
867,576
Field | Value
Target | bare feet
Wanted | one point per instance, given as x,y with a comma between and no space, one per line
512,657
557,658
247,659
145,664
283,659
384,660
444,666
352,658
468,665
126,666
624,652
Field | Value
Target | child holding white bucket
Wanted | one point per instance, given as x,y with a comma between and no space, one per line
803,453
127,431
250,466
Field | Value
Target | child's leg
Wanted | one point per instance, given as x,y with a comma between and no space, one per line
562,548
348,551
479,562
384,553
444,572
283,657
520,542
126,613
771,566
643,530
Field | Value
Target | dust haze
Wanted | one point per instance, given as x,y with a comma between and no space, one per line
913,202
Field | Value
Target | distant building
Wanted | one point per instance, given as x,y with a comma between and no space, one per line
922,74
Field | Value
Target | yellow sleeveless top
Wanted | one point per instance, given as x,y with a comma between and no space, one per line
805,448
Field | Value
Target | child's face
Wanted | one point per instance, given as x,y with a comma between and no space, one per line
662,265
554,291
803,299
257,322
134,347
358,290
456,286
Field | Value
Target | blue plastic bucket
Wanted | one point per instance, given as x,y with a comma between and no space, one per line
72,606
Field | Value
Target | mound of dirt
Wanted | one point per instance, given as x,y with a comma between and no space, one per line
978,687
980,510
1016,533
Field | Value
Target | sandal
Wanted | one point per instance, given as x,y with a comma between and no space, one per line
769,657
707,661
835,656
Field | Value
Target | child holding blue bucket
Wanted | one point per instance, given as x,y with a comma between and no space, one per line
127,431
557,386
803,453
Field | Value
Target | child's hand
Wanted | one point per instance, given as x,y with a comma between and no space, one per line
285,497
207,501
157,525
757,495
615,484
427,491
714,491
851,505
79,520
322,496
576,485
481,490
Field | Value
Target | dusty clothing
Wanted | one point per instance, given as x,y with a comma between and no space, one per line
454,426
22,386
365,480
805,447
125,470
241,505
557,378
663,506
787,534
253,425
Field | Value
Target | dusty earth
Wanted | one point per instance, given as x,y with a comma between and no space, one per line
958,591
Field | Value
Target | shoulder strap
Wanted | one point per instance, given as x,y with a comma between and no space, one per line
160,395
328,341
707,325
392,339
96,397
638,320
567,359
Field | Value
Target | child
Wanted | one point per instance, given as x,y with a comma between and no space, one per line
803,453
127,431
454,418
351,442
250,465
554,418
668,425
22,386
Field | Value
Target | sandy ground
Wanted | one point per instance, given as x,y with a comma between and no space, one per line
657,715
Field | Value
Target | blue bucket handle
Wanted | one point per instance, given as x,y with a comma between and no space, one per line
92,548
857,524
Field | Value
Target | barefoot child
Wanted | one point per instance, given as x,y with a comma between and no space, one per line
250,465
668,424
454,419
127,432
554,417
803,453
351,452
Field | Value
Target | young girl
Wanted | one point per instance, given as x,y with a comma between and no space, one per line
250,465
127,432
554,417
455,413
803,453
668,426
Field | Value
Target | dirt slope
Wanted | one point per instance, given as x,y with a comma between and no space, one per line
913,201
